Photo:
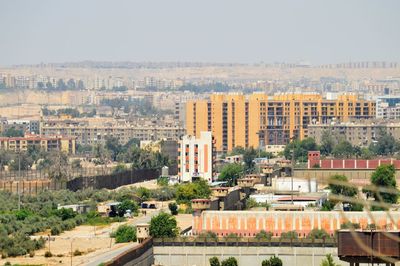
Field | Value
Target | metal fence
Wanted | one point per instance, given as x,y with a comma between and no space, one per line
68,173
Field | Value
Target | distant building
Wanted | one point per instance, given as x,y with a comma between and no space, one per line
388,107
50,143
30,126
258,119
196,157
357,133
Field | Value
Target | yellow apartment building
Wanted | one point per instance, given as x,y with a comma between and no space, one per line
53,143
258,119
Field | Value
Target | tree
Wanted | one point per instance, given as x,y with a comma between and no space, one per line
328,261
327,143
248,158
263,235
125,233
230,173
13,132
214,261
127,205
119,168
113,145
21,161
173,207
339,186
273,261
231,261
40,85
384,177
301,149
318,234
76,164
343,149
61,84
80,85
289,235
385,145
195,190
71,84
163,225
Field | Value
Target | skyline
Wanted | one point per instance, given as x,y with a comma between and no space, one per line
223,31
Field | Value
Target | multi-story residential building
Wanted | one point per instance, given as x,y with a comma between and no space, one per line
388,107
357,133
259,120
97,134
50,143
196,157
30,126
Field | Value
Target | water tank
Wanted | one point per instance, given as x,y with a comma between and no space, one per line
165,171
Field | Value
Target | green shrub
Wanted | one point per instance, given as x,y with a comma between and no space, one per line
263,235
125,233
56,230
48,254
173,208
318,234
214,261
77,252
289,235
231,261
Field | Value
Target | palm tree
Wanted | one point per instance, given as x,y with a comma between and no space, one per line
328,261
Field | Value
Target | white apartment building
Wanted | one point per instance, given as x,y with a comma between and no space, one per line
196,157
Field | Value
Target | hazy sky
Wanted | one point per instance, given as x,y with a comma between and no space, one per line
204,30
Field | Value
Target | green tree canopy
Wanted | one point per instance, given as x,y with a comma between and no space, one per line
273,261
343,149
328,261
195,190
384,177
163,225
125,233
301,149
231,261
230,173
328,143
214,261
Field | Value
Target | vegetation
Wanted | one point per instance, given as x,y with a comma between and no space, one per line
163,225
214,261
173,207
289,235
263,235
384,177
273,261
340,187
124,233
230,173
195,190
231,261
318,234
208,235
328,261
300,149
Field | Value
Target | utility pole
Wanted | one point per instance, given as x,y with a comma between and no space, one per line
19,179
293,163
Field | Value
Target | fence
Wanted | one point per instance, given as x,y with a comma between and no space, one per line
138,255
68,173
243,242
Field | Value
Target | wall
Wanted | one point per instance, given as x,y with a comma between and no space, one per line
113,181
249,223
359,177
140,255
200,255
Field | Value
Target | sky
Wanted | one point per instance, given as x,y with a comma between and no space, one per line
246,31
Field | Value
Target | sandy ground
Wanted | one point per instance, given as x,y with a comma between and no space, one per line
152,184
90,240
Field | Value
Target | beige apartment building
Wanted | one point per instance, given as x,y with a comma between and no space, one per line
50,143
97,134
259,120
357,133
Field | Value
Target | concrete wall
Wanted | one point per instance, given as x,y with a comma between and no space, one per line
249,223
146,259
360,177
246,256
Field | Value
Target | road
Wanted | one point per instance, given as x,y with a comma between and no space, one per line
109,255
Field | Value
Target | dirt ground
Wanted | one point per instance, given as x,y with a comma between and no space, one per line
89,240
